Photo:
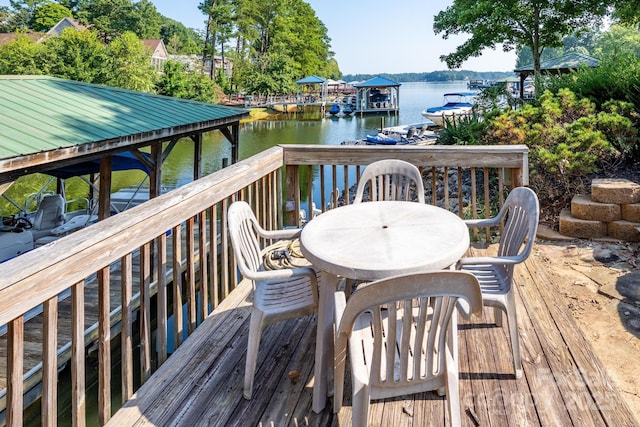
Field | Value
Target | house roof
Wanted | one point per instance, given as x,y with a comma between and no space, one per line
377,81
44,120
63,24
311,80
9,37
570,60
152,43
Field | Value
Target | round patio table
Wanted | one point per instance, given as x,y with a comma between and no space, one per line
370,241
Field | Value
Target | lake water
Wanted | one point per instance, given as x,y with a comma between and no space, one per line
260,135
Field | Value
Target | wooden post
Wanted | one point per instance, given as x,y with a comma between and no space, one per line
197,156
292,196
155,176
104,204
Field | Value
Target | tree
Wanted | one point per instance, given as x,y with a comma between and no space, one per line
4,19
129,64
537,24
180,39
113,17
21,56
219,21
177,81
49,14
75,55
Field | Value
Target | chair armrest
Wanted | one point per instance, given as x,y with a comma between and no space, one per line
283,273
288,233
491,260
481,223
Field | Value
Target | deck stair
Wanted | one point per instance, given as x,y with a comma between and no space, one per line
612,210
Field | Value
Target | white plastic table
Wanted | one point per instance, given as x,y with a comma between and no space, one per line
370,241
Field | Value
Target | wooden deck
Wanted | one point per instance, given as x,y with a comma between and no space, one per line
564,383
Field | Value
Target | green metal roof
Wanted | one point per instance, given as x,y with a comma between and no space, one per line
41,114
570,60
377,81
311,80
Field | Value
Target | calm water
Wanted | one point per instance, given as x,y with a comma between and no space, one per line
260,135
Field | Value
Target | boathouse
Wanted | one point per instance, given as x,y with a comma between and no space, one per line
562,64
377,95
48,123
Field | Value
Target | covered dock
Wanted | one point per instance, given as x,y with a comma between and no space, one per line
63,128
559,65
377,95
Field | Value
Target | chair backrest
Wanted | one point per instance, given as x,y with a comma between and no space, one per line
50,213
521,213
243,226
407,317
390,179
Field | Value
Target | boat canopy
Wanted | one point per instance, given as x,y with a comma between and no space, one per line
119,162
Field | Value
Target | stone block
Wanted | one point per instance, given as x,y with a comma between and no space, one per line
575,227
617,191
630,212
582,207
626,231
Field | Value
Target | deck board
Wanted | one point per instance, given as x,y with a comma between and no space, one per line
563,383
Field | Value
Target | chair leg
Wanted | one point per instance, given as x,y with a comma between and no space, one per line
253,344
497,315
512,320
452,389
360,405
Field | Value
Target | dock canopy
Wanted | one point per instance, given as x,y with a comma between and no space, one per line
559,65
377,95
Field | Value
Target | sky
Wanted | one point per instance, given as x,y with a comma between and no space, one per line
375,36
372,36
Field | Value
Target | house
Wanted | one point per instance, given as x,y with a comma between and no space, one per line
194,63
62,25
159,54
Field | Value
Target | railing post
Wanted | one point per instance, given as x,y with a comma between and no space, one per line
292,196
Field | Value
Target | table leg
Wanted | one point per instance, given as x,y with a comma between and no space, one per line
324,341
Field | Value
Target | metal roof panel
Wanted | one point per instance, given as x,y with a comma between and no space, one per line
41,113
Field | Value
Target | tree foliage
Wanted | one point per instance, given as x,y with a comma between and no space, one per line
273,43
568,138
113,17
537,24
46,16
177,81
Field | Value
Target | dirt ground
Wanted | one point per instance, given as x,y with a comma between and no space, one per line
600,283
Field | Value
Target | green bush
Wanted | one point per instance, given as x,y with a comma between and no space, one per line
567,139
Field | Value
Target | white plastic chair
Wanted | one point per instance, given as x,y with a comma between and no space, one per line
390,179
278,294
520,213
402,338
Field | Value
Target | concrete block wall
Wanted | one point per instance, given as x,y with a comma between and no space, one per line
612,210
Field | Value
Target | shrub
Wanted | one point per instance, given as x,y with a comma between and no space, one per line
567,139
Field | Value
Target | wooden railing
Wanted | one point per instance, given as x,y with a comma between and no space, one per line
155,252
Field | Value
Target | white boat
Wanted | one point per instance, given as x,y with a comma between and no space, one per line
45,216
28,230
456,104
413,133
